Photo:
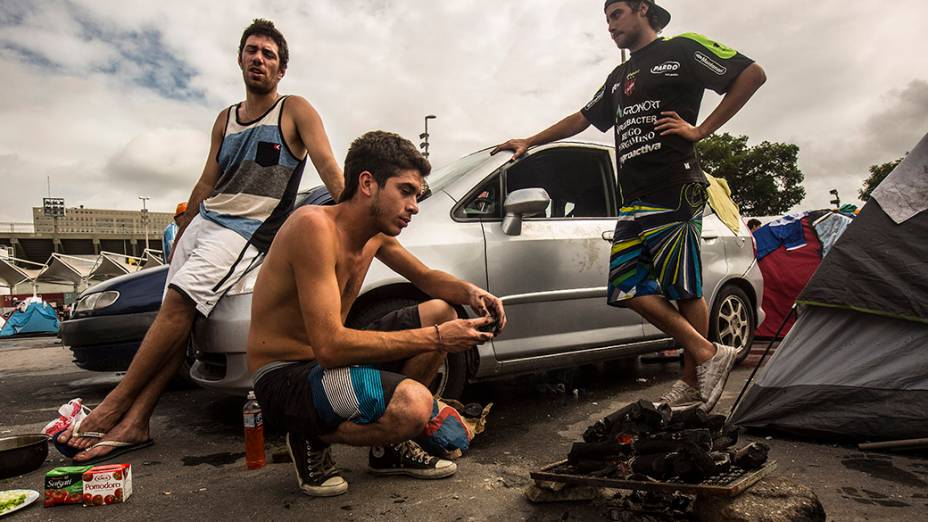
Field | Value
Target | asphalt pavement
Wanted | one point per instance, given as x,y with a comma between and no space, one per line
196,469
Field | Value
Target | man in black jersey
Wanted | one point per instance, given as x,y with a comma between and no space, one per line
652,103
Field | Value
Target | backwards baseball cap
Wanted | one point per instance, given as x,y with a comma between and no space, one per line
181,208
663,16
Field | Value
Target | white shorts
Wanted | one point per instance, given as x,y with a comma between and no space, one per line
208,260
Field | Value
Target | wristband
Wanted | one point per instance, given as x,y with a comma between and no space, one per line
441,344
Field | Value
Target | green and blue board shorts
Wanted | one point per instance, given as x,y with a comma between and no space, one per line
656,249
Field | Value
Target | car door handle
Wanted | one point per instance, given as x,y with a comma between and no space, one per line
608,235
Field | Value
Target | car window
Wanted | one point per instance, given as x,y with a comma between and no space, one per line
578,180
483,202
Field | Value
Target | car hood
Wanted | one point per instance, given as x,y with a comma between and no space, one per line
117,283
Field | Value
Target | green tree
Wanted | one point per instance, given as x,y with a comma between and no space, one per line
765,179
877,174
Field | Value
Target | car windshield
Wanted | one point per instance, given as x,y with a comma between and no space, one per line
441,178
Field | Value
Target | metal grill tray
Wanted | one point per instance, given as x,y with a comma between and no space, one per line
729,484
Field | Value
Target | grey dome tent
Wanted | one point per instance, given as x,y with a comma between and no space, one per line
855,364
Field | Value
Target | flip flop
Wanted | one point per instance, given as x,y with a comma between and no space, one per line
92,434
69,451
120,448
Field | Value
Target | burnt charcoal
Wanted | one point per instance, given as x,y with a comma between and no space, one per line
594,468
651,442
722,462
700,437
752,456
693,464
596,432
652,446
657,466
639,417
694,417
726,438
687,461
596,451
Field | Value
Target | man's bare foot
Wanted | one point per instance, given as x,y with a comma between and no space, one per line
122,432
100,420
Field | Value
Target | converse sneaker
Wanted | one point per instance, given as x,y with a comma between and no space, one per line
713,374
315,469
680,394
407,458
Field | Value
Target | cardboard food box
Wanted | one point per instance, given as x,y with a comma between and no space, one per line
109,484
65,485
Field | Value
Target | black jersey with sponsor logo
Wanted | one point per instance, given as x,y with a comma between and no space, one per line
669,74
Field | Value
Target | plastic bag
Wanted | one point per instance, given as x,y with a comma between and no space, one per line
68,414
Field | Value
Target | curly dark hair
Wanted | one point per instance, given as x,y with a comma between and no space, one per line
384,155
264,27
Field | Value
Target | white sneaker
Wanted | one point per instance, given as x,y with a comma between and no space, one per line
713,374
680,394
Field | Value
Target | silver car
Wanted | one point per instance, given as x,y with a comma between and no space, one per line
534,232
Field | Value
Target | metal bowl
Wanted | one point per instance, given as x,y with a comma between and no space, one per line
21,454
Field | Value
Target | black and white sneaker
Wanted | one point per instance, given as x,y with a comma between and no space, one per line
315,469
407,458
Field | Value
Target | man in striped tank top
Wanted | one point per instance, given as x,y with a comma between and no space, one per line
258,151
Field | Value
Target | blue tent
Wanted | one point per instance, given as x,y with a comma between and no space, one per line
38,318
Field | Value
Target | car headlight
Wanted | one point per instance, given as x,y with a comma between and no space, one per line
96,301
246,284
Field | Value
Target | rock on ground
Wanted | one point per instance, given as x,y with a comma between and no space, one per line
770,500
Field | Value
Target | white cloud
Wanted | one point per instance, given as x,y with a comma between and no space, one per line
111,99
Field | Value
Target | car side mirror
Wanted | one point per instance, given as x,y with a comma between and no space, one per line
522,203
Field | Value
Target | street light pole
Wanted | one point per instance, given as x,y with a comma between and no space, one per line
145,218
425,136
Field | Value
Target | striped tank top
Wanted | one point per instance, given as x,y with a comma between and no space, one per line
259,178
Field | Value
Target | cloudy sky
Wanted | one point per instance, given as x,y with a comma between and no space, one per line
113,99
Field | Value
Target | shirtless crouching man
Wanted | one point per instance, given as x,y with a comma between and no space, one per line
326,383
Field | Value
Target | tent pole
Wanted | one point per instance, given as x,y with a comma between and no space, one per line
894,445
792,311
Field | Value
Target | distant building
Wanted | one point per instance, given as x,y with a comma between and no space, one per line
82,231
101,222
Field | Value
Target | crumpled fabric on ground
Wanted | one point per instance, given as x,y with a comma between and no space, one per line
449,432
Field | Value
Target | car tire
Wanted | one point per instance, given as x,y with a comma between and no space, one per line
732,321
452,376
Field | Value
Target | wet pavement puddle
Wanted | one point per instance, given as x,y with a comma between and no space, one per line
215,459
882,468
865,496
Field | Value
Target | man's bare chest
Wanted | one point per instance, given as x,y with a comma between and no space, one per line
350,272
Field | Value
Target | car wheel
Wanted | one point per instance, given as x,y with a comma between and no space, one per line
731,320
449,383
